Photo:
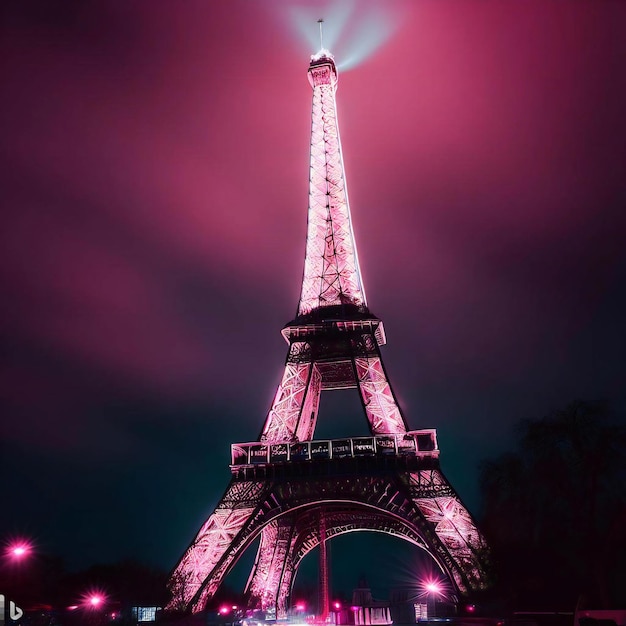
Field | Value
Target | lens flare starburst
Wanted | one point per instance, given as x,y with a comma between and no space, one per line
94,599
18,549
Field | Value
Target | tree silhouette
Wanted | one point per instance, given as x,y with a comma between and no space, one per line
555,510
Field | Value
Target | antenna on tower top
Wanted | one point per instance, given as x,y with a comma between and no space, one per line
320,22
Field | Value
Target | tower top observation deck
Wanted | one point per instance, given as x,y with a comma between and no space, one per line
322,69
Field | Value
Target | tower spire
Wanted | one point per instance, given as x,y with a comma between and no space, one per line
320,22
332,276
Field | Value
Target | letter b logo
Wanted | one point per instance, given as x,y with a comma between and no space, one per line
14,611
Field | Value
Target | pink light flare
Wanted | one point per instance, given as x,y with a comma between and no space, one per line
432,587
224,610
300,606
94,599
337,605
18,550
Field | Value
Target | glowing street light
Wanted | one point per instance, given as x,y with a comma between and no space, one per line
94,599
18,550
433,588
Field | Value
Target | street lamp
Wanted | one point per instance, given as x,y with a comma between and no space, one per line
432,589
95,601
18,550
16,567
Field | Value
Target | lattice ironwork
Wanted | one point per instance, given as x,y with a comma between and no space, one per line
294,410
331,268
460,536
285,483
212,542
269,568
383,412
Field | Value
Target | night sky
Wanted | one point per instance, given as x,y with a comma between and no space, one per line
154,191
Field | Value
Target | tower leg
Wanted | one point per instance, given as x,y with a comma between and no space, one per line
294,411
268,571
383,412
465,550
203,566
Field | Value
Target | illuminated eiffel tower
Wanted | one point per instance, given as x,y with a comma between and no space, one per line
296,492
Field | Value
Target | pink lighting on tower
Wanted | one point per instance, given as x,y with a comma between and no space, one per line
331,268
334,343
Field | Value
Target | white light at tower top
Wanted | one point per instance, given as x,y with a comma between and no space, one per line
322,54
352,30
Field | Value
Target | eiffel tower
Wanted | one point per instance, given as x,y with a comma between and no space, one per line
296,492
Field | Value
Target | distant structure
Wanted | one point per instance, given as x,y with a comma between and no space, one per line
297,493
365,611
